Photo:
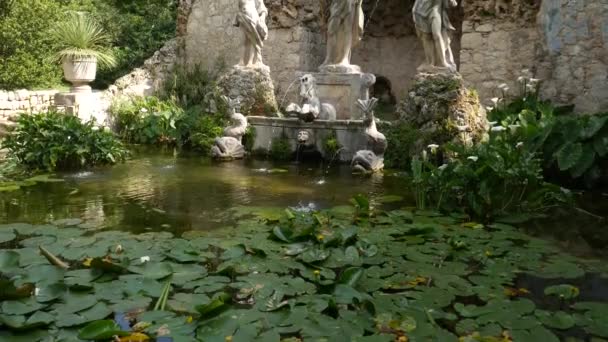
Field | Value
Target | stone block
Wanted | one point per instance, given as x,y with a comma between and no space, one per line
484,28
3,96
11,96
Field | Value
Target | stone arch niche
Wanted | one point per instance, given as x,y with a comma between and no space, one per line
390,46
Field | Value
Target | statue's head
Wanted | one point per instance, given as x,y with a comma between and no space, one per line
303,137
307,86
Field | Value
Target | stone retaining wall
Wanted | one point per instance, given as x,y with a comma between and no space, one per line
13,102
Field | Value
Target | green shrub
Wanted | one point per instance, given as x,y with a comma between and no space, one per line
401,138
152,121
55,141
26,46
137,29
495,178
573,146
147,120
280,149
194,86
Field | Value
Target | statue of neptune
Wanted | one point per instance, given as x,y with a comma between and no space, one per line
432,26
251,18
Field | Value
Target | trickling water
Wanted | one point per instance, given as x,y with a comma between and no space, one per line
287,92
333,158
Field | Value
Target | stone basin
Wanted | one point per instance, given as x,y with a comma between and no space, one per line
349,133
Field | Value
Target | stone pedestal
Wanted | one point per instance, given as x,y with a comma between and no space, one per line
342,90
443,110
253,87
86,106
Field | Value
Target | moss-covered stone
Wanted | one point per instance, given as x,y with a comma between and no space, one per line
443,111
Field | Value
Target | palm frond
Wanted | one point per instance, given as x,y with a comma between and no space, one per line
80,36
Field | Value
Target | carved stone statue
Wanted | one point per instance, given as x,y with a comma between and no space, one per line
433,26
344,31
251,18
311,107
230,145
371,160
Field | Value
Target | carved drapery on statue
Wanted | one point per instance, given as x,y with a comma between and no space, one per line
251,18
344,31
433,26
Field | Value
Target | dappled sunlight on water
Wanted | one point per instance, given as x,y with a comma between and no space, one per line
160,192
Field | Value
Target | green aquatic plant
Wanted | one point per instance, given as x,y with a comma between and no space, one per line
414,276
280,149
55,141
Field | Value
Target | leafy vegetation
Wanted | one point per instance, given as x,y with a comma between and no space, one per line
331,146
27,45
56,141
136,28
82,37
280,149
150,120
345,274
573,145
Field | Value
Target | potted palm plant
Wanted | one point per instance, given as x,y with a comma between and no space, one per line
82,46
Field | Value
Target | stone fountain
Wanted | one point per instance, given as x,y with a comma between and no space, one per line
329,98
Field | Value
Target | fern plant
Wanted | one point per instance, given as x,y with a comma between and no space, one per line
81,37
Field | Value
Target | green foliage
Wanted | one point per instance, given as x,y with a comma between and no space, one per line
137,29
328,275
331,146
402,139
194,86
55,141
80,36
26,45
495,178
574,145
152,121
147,120
280,149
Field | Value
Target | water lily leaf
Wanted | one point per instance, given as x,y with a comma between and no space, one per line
101,330
153,270
390,199
50,292
281,234
99,311
21,306
557,320
565,291
219,304
536,334
108,265
351,276
9,260
314,255
187,302
296,248
6,236
345,294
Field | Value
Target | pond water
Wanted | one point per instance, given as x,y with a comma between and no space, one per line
160,191
430,276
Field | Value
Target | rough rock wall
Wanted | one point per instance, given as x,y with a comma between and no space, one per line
574,53
563,42
390,47
294,43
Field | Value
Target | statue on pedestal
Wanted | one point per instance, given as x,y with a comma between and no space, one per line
251,18
344,31
311,107
433,26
